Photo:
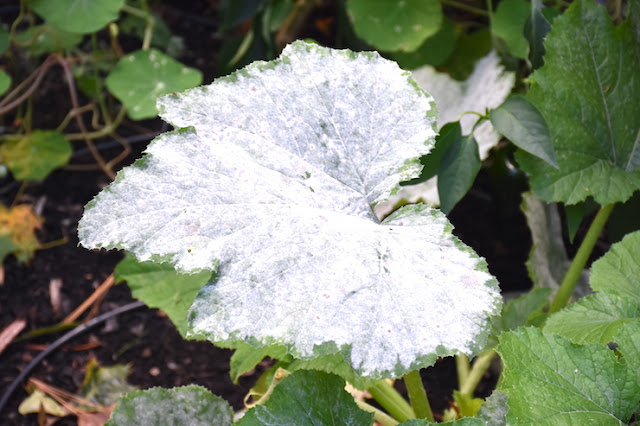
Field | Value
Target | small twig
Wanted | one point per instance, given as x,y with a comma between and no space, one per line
106,285
62,340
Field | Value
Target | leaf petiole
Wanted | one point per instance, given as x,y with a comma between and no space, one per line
580,260
418,395
392,401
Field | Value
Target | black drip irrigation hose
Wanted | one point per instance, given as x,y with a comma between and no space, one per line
62,340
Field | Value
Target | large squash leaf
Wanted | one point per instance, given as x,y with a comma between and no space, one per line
583,92
272,180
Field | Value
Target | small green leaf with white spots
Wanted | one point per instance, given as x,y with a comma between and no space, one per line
187,405
142,76
395,25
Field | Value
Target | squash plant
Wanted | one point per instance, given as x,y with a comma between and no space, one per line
265,193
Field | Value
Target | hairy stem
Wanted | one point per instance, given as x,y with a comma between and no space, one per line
580,260
392,401
418,396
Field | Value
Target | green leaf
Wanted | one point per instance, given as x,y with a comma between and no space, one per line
457,170
308,398
519,312
142,76
187,405
583,91
448,135
5,82
281,199
536,29
629,344
594,319
77,16
519,121
550,381
508,23
469,49
332,364
246,357
618,271
43,39
433,51
36,155
160,286
397,25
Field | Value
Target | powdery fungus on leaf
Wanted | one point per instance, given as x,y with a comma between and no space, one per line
272,180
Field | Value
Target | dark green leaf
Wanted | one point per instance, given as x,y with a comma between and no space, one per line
583,92
308,398
457,171
43,39
535,30
521,122
246,357
618,271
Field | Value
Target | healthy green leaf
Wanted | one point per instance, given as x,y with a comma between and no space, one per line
246,357
4,40
36,155
160,286
508,23
520,121
308,398
398,25
618,271
594,319
187,405
332,364
78,16
582,91
629,344
456,172
536,29
281,198
142,76
551,381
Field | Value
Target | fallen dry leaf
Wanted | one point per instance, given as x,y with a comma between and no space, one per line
10,332
17,232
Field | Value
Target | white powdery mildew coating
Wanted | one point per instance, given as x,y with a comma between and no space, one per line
275,181
392,294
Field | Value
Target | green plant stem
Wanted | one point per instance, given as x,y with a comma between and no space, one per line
418,396
480,365
580,260
462,368
392,401
465,7
378,415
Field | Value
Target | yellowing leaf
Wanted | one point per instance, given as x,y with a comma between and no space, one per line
17,232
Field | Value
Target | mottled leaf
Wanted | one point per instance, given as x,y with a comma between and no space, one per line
36,154
187,405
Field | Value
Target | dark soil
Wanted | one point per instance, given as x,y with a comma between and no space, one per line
145,339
